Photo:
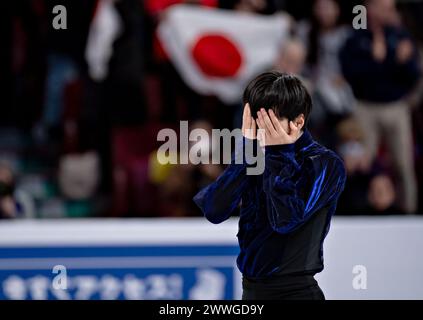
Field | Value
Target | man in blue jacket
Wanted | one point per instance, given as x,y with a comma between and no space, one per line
285,212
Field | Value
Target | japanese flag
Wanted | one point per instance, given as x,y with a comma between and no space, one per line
218,51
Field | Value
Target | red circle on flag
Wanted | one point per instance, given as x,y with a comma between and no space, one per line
217,56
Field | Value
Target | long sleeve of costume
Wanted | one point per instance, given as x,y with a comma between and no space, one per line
296,191
219,200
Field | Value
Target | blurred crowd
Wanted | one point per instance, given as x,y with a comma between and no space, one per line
72,145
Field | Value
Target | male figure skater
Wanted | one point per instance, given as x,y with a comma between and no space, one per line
285,212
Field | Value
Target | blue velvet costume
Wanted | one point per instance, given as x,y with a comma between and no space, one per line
285,213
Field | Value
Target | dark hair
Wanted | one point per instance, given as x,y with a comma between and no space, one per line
313,35
285,94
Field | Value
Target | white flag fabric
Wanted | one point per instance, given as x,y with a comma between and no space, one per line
105,28
218,51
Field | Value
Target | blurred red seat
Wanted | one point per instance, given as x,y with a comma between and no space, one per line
134,194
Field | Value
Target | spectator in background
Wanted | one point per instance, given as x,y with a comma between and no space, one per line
366,191
14,203
64,55
291,58
381,64
351,148
323,37
381,195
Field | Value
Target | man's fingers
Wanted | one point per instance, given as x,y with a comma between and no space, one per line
268,123
261,136
251,124
247,120
260,121
248,116
276,123
244,114
244,117
247,106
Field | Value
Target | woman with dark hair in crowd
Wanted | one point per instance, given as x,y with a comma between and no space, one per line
323,37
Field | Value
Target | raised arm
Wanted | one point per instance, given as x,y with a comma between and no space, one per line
220,199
